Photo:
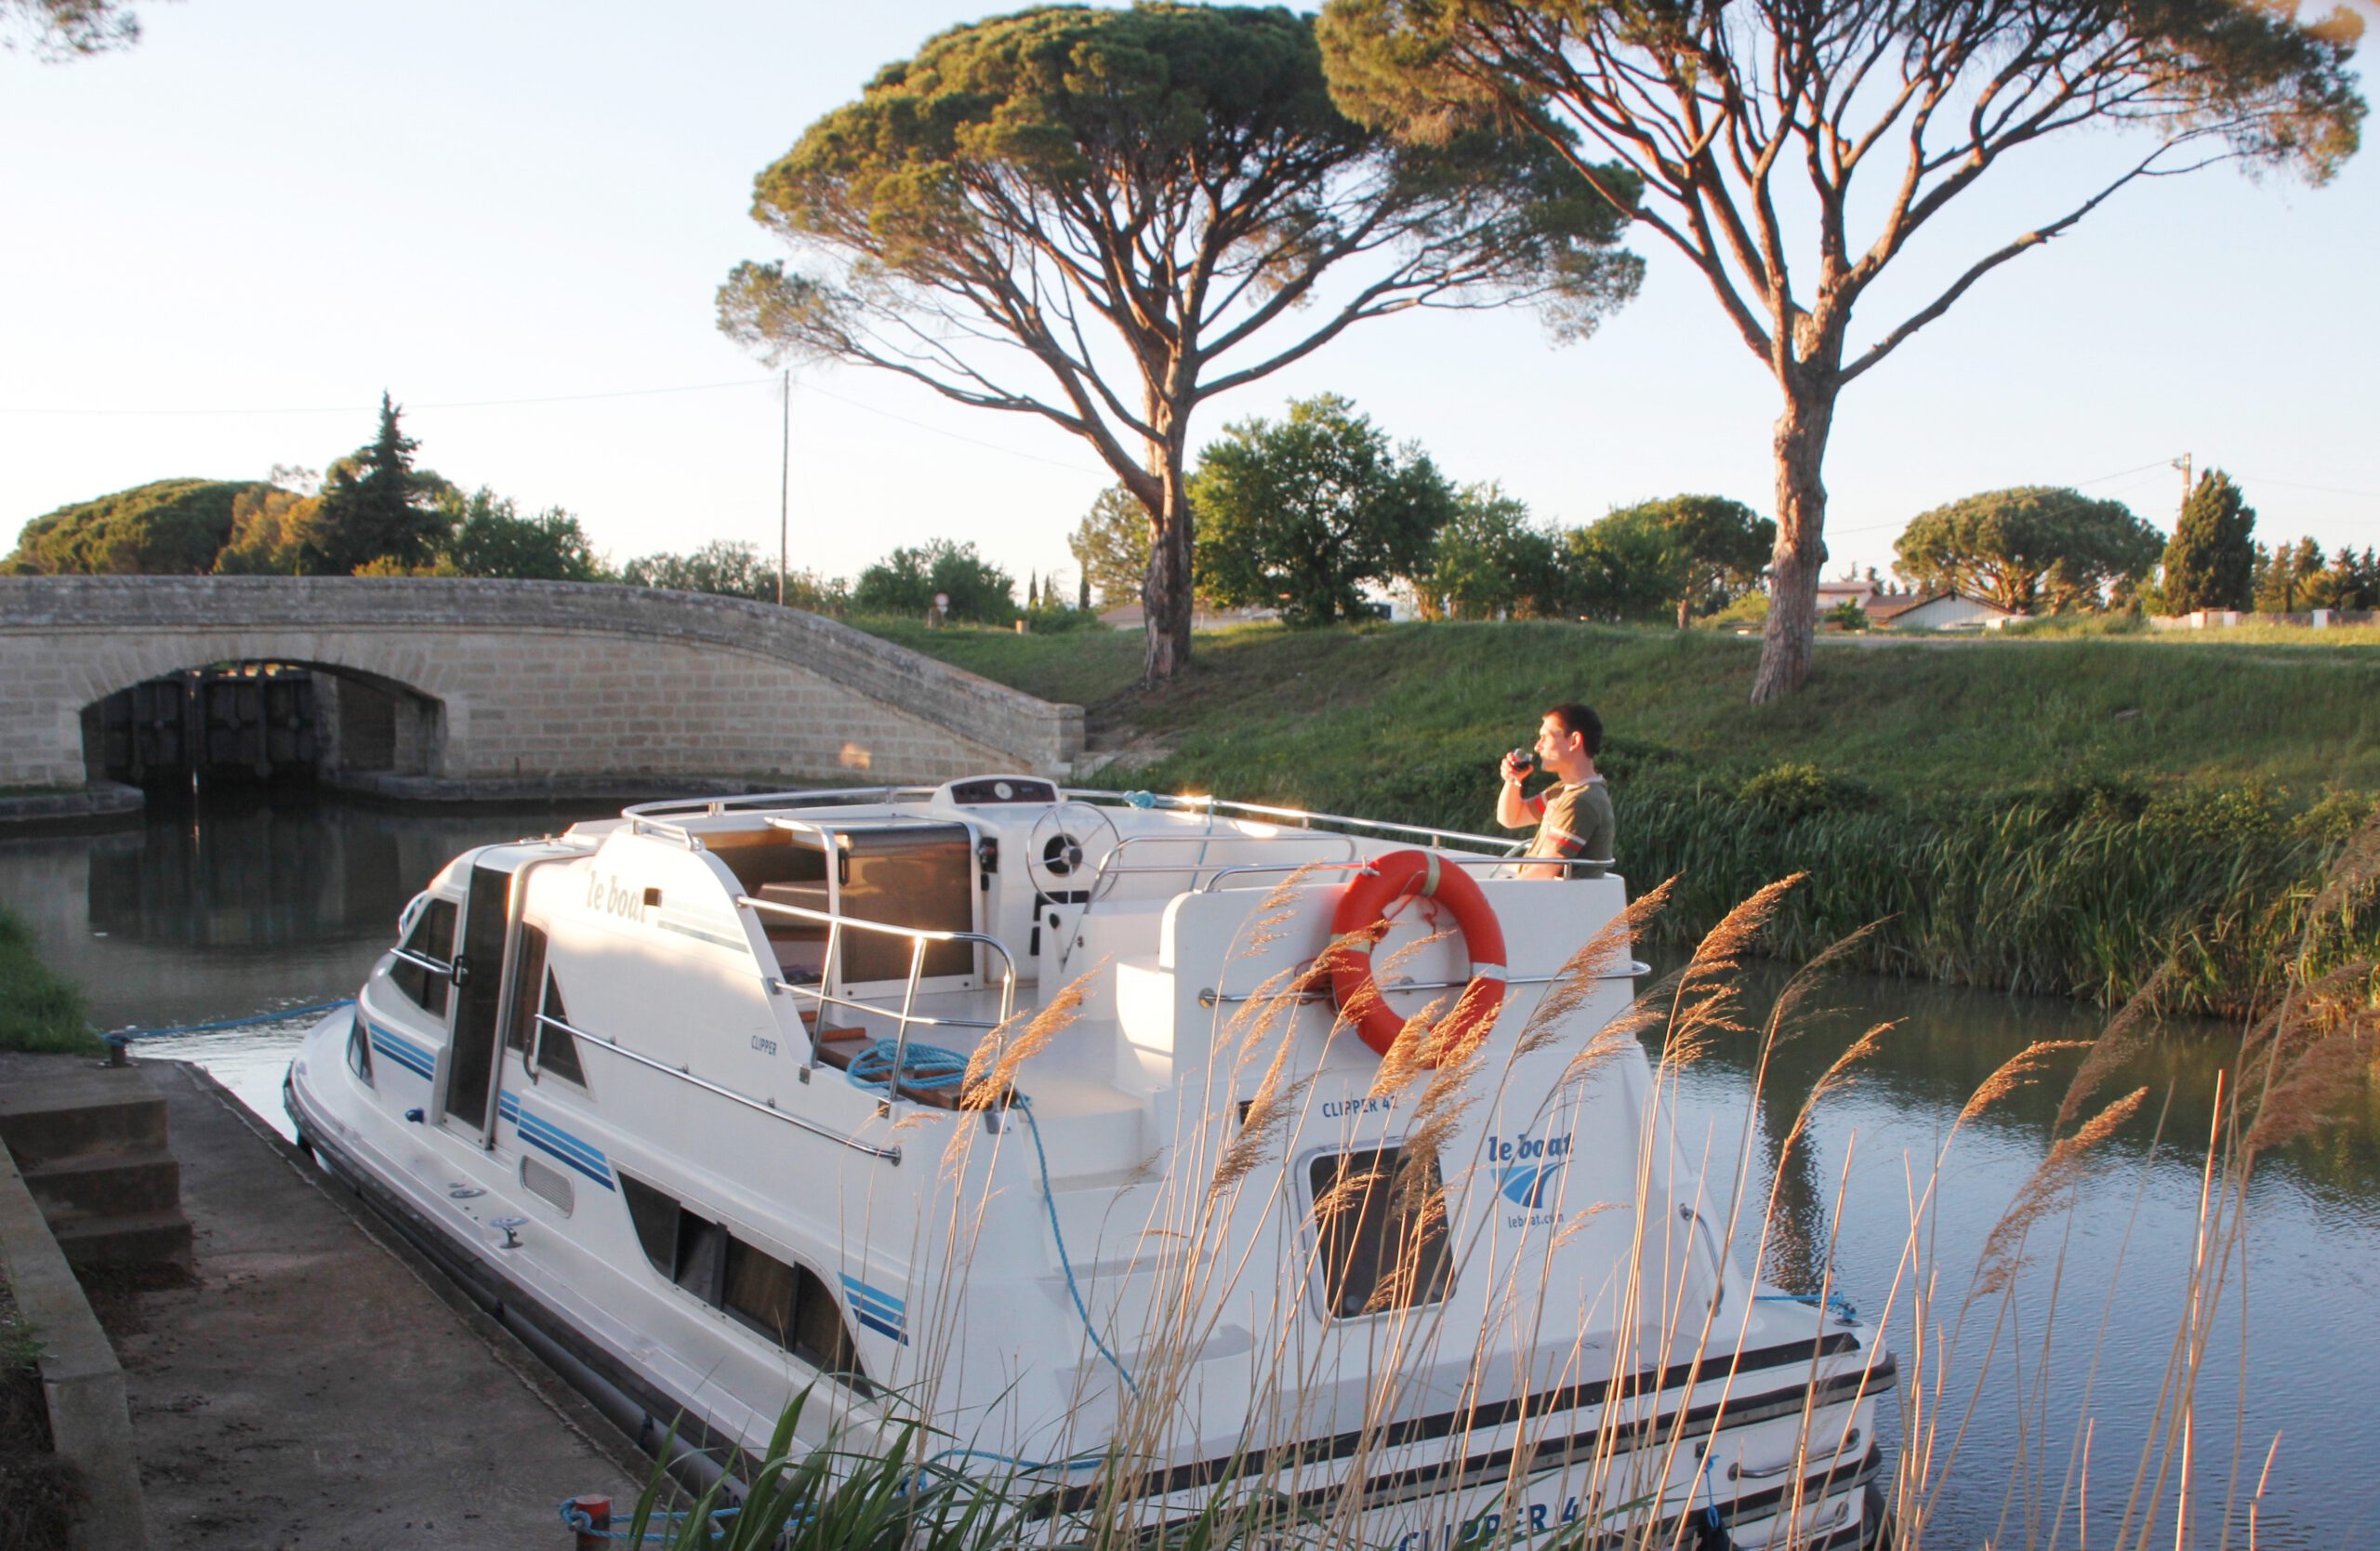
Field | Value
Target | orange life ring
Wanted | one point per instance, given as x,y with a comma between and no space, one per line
1362,911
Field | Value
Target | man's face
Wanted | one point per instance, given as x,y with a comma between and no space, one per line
1554,743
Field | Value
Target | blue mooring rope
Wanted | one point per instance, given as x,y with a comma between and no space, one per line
579,1522
126,1035
934,1067
1836,1304
922,1065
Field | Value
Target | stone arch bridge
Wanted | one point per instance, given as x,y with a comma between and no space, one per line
456,688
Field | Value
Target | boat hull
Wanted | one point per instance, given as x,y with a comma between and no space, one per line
1549,1464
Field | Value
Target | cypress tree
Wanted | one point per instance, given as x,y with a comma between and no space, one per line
2212,560
375,505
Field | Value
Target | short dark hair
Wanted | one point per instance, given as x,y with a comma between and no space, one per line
1576,718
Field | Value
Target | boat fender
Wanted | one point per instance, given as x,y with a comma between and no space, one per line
1362,912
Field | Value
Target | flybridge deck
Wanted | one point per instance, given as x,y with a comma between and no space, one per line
685,1084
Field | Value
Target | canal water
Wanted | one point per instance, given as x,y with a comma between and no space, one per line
219,910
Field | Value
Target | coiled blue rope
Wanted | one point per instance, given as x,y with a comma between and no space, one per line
929,1067
126,1035
934,1067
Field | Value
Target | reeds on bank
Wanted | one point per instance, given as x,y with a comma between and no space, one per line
1955,1328
2213,894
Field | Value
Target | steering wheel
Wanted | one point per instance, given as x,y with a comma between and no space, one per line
1056,854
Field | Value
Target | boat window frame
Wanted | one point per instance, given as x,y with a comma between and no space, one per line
539,1010
1326,1281
438,972
639,1196
359,1050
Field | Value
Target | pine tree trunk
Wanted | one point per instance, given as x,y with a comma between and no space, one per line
1166,591
1800,558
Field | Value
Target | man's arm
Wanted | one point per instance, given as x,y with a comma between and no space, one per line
1514,810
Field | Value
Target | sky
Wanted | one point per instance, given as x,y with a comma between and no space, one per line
222,246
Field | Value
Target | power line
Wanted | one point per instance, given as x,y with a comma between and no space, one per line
2293,485
455,404
567,398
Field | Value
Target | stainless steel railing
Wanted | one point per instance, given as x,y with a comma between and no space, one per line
585,1037
1303,819
919,938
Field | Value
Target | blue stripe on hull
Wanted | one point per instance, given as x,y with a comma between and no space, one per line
876,1309
548,1137
403,1051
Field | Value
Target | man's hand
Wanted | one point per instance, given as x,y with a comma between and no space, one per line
1512,810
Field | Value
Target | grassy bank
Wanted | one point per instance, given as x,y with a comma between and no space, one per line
39,1009
2043,814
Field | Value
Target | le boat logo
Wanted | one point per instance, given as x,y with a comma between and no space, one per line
1529,1174
607,896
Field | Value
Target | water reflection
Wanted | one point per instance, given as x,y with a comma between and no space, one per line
2102,1289
219,907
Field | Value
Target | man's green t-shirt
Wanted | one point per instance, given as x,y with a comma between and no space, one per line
1577,823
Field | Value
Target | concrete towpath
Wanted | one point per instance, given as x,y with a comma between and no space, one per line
320,1385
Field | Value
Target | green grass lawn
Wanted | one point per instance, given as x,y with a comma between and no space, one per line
1079,668
2042,814
1273,706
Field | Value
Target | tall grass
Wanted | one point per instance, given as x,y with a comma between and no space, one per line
1965,1364
2216,895
40,1010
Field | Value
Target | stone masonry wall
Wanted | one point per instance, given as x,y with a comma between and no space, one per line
531,679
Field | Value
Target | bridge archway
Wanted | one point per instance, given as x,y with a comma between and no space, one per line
278,718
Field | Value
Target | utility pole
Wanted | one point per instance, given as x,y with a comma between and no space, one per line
784,483
2183,463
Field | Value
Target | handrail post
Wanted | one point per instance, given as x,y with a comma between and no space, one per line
900,1040
830,973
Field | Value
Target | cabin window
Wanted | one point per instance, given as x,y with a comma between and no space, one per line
557,1046
787,1302
656,1216
421,970
359,1050
702,1256
1381,1231
519,1031
790,1306
557,1049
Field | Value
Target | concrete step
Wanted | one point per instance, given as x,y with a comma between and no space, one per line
69,1113
106,1185
138,1239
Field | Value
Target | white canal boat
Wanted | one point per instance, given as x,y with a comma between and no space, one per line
1207,1224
